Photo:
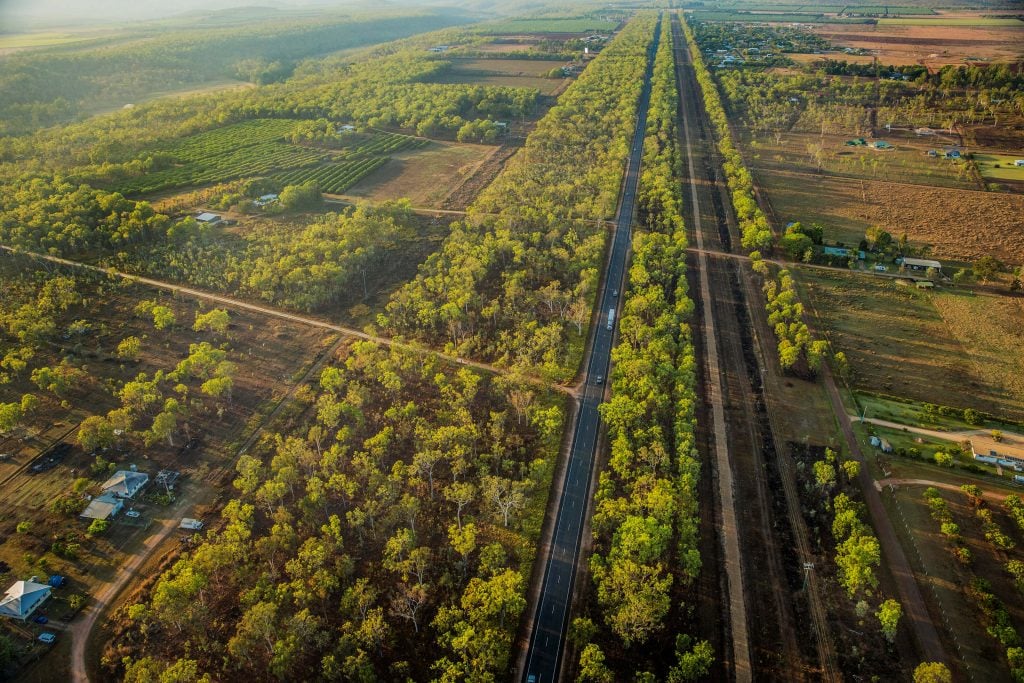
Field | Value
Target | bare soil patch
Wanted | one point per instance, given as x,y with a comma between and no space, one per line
425,176
932,46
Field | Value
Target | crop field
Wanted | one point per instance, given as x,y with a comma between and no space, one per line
551,25
999,167
775,17
336,177
953,21
424,176
900,343
960,225
884,9
256,147
931,45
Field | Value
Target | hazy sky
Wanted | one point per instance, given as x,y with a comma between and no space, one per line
13,13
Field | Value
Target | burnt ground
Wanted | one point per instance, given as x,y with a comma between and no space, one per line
781,644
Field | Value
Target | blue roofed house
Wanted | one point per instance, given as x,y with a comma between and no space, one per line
22,599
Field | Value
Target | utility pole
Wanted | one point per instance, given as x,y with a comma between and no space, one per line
808,568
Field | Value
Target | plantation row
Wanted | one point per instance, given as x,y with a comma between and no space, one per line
254,160
333,178
645,520
516,281
226,139
387,143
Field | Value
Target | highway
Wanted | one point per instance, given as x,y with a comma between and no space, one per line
551,618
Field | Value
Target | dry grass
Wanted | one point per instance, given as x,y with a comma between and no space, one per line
424,176
932,46
961,225
992,328
898,343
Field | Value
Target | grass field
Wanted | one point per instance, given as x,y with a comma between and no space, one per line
10,41
959,225
424,176
953,21
775,17
908,163
999,167
993,329
942,579
552,25
508,67
899,343
513,73
885,9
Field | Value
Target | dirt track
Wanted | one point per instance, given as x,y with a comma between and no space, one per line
780,646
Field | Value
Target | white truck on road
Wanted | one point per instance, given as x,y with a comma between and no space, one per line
611,318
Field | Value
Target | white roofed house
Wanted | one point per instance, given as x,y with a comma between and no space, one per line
125,483
22,599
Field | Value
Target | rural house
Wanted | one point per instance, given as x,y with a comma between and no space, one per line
1007,452
125,483
22,599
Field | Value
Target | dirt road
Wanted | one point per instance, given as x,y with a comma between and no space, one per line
282,315
914,606
103,597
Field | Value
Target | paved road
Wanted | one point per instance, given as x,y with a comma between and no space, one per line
550,621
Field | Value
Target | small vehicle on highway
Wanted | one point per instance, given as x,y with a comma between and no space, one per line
599,380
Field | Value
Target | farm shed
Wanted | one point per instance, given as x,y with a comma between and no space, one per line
208,218
920,264
190,524
1008,451
102,507
125,483
881,144
22,599
885,445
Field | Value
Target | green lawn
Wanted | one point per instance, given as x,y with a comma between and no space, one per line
42,39
988,163
552,25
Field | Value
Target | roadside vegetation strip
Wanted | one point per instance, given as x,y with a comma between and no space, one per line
515,283
645,521
797,350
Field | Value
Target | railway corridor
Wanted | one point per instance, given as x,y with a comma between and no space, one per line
761,567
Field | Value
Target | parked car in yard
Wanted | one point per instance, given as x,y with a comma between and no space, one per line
40,619
47,637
